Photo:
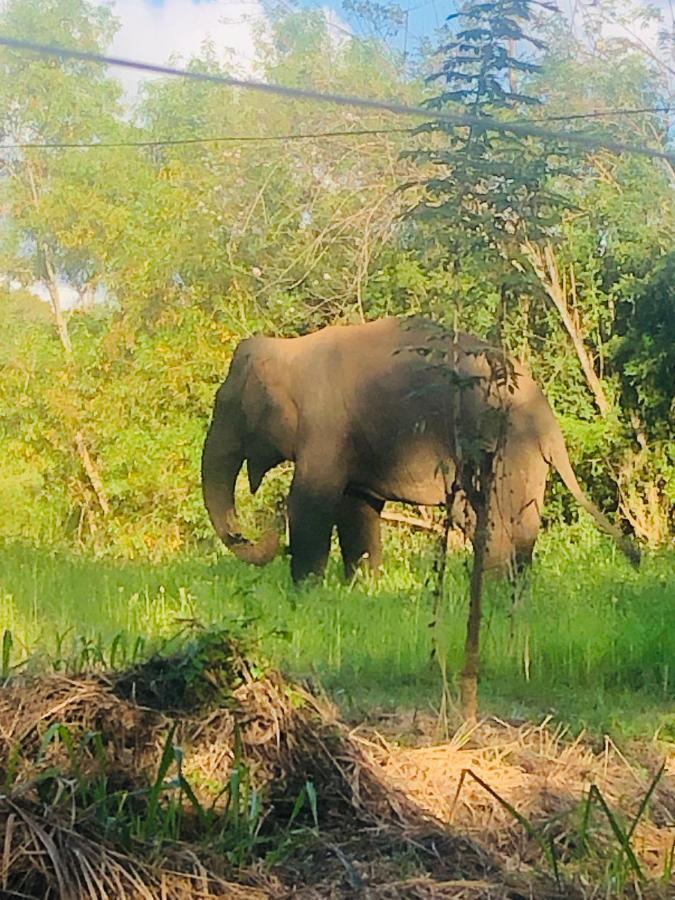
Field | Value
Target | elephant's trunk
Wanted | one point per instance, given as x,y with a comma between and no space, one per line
558,457
221,462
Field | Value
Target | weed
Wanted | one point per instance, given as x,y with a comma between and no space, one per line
545,843
7,644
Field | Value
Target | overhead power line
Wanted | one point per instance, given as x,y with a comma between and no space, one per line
226,138
604,113
295,93
293,136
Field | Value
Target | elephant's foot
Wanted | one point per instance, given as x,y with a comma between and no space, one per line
303,569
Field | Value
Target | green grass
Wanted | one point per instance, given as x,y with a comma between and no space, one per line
593,643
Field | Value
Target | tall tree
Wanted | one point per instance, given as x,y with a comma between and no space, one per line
491,190
43,100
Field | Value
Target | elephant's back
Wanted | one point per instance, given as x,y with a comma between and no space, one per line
397,362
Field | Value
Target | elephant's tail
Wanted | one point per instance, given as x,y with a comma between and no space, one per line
558,457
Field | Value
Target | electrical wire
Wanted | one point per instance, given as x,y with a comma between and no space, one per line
603,113
229,138
293,136
518,128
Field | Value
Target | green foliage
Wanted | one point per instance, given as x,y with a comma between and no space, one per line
491,190
180,251
644,355
383,19
44,100
489,201
205,672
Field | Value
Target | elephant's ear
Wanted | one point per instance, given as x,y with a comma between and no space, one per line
268,405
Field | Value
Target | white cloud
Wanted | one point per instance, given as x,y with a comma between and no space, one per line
154,32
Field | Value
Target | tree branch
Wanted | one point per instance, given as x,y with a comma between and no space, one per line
544,264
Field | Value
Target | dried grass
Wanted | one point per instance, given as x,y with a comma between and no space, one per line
286,736
44,859
546,776
390,826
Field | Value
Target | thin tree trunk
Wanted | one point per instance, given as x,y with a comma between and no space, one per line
88,463
51,281
513,86
55,301
468,679
544,264
412,521
92,473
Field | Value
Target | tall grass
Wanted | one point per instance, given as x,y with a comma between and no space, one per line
592,641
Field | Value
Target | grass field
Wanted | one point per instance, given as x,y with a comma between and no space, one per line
593,643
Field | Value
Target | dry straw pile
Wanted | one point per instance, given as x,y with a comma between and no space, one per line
91,766
471,781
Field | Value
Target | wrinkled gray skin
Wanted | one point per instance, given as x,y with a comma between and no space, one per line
377,412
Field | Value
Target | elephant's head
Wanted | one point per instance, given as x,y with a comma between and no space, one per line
253,420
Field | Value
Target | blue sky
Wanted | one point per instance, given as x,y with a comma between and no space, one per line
154,30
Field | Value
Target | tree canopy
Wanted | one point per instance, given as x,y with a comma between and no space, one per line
176,251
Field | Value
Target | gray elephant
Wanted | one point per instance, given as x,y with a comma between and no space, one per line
386,410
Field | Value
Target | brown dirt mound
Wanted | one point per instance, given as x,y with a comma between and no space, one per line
386,813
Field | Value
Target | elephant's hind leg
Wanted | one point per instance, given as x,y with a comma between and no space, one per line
358,524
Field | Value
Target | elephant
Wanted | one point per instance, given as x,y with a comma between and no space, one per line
388,410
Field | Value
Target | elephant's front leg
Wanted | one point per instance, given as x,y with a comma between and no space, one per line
312,513
358,523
